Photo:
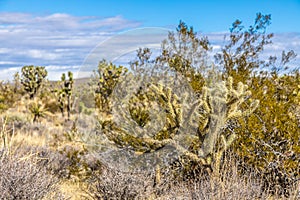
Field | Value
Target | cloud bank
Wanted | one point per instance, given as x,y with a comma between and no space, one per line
63,42
59,40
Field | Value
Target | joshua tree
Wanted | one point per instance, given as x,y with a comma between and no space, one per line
32,78
68,86
65,93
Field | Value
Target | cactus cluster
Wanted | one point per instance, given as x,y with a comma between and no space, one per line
203,124
222,104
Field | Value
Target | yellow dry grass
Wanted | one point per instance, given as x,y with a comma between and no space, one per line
75,190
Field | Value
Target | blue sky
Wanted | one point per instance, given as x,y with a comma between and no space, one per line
61,34
206,16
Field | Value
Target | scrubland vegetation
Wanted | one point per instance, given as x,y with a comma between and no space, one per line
231,126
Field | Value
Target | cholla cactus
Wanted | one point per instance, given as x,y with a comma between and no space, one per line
107,77
32,79
196,128
221,104
218,106
173,109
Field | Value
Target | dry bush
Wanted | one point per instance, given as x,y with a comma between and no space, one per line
112,184
21,178
229,184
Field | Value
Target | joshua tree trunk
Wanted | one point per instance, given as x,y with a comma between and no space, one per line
69,107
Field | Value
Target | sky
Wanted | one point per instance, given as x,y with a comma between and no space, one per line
64,35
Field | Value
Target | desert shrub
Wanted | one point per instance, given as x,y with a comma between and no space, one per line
85,110
8,96
69,157
37,109
186,52
271,134
75,163
55,163
230,184
113,184
16,119
21,178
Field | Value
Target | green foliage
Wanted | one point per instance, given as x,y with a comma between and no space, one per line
75,162
77,166
32,78
186,53
139,108
2,104
271,135
83,109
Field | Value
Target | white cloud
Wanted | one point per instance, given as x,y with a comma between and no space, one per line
4,50
58,39
7,18
8,73
8,63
